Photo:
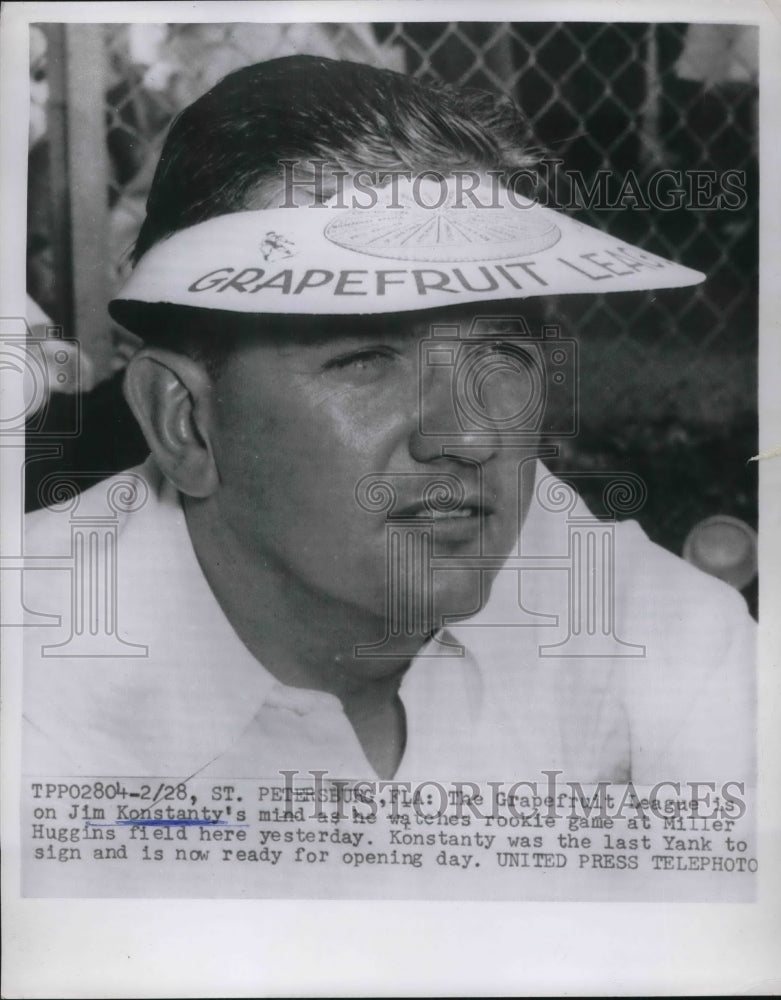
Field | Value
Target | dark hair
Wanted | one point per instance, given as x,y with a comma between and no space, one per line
224,147
223,153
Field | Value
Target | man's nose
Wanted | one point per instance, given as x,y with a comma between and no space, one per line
442,425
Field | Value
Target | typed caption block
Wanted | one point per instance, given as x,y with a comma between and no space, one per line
318,838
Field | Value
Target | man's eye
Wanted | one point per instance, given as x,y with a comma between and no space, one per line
367,360
492,348
503,347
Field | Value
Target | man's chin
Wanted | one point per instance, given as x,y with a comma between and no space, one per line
459,594
420,608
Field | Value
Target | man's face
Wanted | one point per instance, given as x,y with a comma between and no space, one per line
334,442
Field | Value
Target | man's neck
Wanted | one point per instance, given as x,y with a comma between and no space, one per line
304,638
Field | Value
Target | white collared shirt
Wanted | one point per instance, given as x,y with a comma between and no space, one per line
187,697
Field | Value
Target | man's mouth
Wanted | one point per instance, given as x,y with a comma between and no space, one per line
420,511
440,515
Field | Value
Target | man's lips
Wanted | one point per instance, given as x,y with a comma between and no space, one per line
470,507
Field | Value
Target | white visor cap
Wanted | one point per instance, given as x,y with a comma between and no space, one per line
414,245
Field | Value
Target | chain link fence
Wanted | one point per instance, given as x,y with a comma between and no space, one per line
668,379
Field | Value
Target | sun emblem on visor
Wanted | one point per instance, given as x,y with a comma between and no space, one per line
444,234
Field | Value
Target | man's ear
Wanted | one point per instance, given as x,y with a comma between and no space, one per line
170,396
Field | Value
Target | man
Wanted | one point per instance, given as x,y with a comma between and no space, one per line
344,399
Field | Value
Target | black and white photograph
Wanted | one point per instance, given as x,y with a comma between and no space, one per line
389,461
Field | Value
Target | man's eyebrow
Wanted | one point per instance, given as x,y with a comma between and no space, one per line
319,335
322,331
